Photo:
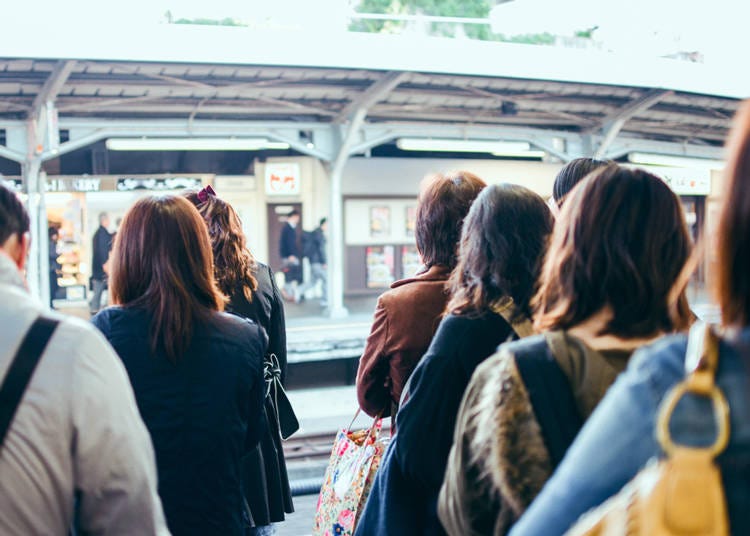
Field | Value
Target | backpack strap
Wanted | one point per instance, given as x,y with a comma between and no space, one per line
522,326
21,369
550,395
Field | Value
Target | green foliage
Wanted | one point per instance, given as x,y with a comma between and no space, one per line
530,39
210,22
440,8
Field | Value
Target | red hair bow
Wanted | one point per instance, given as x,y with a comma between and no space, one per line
203,194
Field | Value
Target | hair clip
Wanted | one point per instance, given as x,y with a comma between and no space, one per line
205,192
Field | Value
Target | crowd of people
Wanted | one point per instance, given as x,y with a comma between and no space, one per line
523,368
494,360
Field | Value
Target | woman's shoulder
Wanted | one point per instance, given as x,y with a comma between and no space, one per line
116,317
236,331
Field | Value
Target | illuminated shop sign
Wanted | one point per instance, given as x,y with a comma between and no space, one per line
282,178
129,184
83,184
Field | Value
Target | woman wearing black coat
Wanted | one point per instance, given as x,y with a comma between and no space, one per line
196,372
253,294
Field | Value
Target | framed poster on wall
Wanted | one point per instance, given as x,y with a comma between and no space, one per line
411,220
380,222
380,266
411,261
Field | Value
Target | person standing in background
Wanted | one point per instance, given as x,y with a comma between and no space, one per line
54,265
314,248
101,244
291,258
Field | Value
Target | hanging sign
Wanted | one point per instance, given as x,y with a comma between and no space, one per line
282,178
682,181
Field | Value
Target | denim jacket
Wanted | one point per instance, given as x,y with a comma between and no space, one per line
619,438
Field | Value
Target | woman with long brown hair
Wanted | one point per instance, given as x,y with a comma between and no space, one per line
253,294
502,244
619,439
196,372
616,251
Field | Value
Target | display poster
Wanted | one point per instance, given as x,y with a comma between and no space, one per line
380,266
411,261
380,222
411,220
282,178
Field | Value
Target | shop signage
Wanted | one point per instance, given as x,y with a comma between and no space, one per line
129,184
282,178
82,184
683,181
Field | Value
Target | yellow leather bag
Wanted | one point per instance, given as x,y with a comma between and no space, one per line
681,494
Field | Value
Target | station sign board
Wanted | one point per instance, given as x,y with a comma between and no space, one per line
683,181
282,178
114,183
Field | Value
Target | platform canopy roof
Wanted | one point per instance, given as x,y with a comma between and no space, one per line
198,73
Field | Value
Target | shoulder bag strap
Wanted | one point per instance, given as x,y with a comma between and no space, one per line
550,395
521,326
21,369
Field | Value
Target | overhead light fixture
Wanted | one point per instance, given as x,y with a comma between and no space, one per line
520,149
193,144
653,159
306,137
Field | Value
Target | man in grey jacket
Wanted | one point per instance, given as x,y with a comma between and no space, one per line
77,440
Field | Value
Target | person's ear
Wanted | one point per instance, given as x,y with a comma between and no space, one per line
24,244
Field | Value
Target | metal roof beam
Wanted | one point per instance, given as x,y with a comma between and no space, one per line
53,84
613,123
373,94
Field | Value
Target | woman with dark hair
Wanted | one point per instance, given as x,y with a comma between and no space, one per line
619,438
502,243
571,174
603,293
197,373
253,294
407,315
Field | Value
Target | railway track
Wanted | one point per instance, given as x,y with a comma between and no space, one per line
313,447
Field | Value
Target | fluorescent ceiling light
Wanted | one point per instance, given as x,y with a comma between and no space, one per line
497,148
654,159
192,144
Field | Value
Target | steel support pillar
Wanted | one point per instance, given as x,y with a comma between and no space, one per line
37,269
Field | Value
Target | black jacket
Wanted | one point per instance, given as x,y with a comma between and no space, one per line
288,242
318,253
101,245
264,476
404,495
203,413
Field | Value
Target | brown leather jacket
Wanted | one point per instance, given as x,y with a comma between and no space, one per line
406,318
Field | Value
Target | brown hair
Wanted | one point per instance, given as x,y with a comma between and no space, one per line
733,233
233,263
621,241
162,263
502,243
444,200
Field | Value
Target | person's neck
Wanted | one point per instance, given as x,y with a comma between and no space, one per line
589,331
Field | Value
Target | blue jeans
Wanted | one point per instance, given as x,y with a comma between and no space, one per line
96,298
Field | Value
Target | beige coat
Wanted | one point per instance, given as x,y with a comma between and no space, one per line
77,432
